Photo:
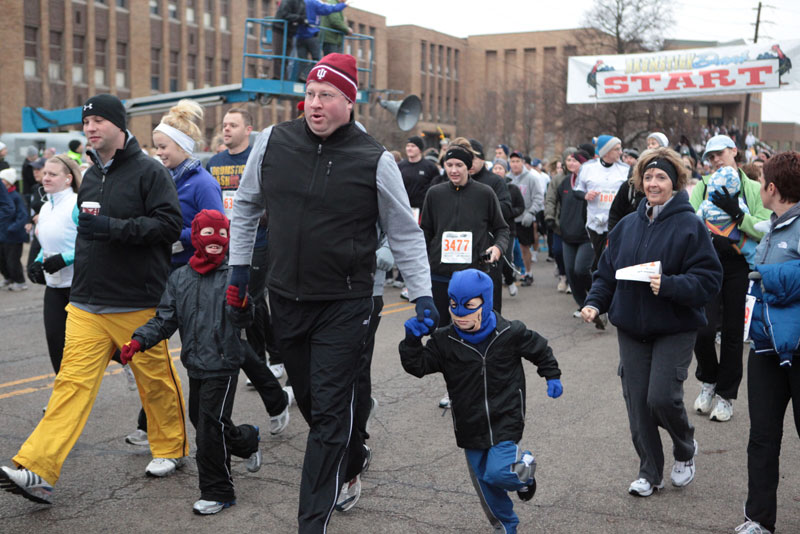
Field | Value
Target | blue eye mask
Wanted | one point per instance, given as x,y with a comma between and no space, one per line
464,286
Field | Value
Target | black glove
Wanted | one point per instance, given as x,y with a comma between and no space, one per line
94,226
729,204
53,264
36,273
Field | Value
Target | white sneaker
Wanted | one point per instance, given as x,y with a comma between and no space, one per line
705,399
348,497
253,463
277,370
27,484
128,372
569,290
512,289
290,393
444,403
642,488
138,437
18,287
562,284
723,411
248,383
751,527
534,256
404,293
278,423
577,314
373,407
399,284
683,472
203,507
161,467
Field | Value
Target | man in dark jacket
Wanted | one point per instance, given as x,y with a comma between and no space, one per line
480,356
325,184
294,13
122,253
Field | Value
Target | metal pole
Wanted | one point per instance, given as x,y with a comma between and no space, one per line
747,97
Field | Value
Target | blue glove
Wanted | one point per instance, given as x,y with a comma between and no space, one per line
94,226
426,304
416,328
240,276
554,388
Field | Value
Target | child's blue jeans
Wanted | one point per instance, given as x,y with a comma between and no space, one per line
493,475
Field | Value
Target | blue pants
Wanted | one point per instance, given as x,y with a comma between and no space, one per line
518,256
493,474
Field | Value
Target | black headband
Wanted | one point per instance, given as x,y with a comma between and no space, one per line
666,166
461,154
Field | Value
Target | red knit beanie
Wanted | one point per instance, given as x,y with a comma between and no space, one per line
340,71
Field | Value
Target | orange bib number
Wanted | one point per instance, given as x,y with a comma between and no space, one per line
457,247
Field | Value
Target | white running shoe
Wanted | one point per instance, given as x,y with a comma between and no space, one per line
577,314
641,487
723,411
161,467
278,423
751,527
534,256
399,284
27,484
277,370
348,497
373,407
705,399
290,393
404,293
138,437
253,463
512,289
444,403
683,472
562,284
203,507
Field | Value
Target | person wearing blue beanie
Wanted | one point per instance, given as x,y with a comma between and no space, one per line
480,355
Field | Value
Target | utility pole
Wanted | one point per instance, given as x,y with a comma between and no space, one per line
747,96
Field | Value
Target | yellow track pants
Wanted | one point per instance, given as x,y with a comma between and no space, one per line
91,340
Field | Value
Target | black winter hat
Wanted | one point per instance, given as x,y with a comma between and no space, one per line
74,145
417,140
107,106
477,148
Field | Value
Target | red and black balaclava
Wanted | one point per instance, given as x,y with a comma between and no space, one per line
213,224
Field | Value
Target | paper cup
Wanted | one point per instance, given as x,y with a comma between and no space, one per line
90,207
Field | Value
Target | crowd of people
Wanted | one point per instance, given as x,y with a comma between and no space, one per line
669,247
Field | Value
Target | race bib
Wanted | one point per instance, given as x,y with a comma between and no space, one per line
415,213
457,247
605,198
749,306
227,202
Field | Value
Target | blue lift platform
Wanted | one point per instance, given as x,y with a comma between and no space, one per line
250,90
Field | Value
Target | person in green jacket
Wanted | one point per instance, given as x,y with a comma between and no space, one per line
333,41
721,377
75,151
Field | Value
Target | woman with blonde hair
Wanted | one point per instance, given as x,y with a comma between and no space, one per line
56,230
657,312
175,139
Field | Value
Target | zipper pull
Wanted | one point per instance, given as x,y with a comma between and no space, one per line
328,172
319,148
350,287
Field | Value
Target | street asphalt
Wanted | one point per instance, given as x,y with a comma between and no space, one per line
418,480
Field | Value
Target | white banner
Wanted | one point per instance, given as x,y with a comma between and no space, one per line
683,73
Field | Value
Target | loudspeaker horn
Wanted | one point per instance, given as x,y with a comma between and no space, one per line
406,111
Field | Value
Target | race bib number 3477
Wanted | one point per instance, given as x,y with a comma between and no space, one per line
457,247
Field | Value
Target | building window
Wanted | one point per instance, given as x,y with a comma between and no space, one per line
31,52
122,3
208,14
266,8
225,71
191,71
174,68
209,71
423,49
155,7
54,68
155,69
172,9
100,62
78,59
223,15
190,11
122,65
251,14
431,54
455,64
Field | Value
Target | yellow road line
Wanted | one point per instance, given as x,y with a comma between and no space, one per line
398,310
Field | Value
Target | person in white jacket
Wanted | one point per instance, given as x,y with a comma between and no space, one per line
56,230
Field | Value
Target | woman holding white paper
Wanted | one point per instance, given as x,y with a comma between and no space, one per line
657,322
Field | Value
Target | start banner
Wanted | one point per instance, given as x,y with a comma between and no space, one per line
683,73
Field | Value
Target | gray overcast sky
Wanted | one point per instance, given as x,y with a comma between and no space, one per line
695,19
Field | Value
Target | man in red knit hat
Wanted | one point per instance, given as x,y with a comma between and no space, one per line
326,184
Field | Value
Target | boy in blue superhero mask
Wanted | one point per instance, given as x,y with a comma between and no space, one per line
480,355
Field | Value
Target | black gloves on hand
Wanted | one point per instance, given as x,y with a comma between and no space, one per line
53,264
729,204
95,227
36,273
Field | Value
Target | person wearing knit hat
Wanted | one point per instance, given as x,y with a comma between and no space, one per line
656,140
75,150
418,173
501,151
598,183
343,182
